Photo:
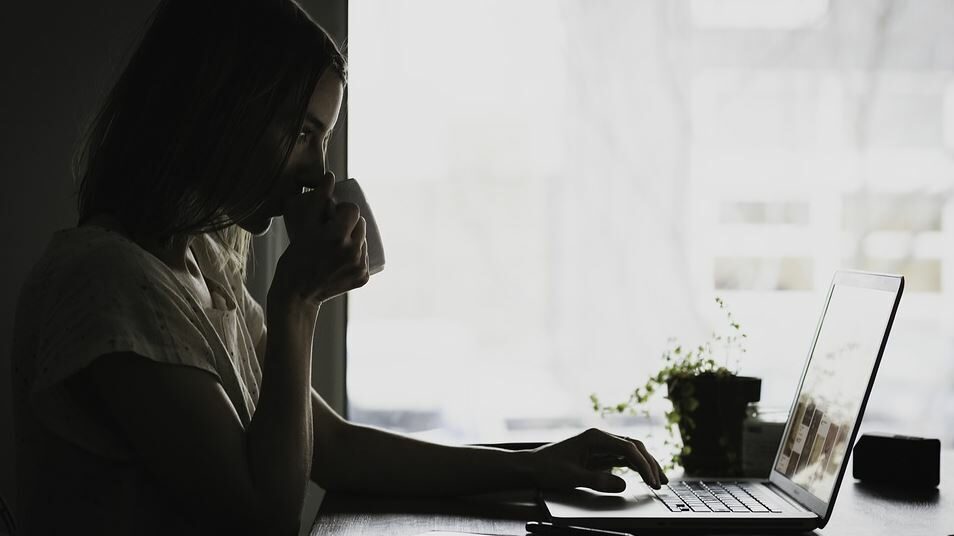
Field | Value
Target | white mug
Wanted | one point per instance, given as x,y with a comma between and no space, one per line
349,191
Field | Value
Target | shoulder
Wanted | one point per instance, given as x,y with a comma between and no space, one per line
93,269
92,251
96,293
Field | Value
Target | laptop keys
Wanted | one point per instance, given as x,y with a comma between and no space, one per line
714,497
672,501
768,504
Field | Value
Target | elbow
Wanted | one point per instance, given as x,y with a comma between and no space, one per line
323,475
289,526
330,458
249,523
289,523
276,521
269,513
251,514
282,517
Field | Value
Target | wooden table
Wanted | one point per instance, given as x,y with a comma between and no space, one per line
861,509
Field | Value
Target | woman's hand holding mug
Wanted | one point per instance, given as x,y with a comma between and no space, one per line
328,253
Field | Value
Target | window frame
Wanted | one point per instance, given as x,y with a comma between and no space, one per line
329,357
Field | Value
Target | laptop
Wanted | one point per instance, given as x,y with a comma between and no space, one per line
812,456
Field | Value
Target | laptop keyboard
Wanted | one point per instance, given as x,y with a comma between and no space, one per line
714,497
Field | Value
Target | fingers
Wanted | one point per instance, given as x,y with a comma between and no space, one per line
660,475
327,184
326,187
359,233
633,457
312,208
364,258
328,211
355,269
359,245
653,464
605,462
323,184
330,256
346,217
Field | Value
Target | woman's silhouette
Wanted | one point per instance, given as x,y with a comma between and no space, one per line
150,397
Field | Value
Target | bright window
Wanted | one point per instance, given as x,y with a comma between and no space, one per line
563,185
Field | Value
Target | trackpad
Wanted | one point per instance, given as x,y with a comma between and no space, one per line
637,500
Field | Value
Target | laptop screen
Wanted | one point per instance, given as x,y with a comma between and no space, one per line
843,358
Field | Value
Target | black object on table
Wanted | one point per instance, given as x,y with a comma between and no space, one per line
899,460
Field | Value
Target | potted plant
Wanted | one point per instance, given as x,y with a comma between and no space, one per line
709,402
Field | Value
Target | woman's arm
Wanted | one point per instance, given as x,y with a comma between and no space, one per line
184,429
369,460
363,459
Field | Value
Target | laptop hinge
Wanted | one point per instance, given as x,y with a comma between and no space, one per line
792,501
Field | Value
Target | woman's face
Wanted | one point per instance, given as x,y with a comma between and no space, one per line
309,153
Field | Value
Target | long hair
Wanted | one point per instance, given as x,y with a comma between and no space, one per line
199,125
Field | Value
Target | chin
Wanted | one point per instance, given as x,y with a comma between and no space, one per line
257,227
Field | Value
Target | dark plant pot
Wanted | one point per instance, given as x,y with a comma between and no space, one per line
713,429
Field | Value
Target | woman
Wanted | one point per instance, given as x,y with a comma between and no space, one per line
150,393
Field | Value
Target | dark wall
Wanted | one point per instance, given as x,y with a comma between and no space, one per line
59,59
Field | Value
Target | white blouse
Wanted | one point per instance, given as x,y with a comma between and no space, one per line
94,292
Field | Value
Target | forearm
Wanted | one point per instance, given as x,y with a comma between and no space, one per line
280,436
371,460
